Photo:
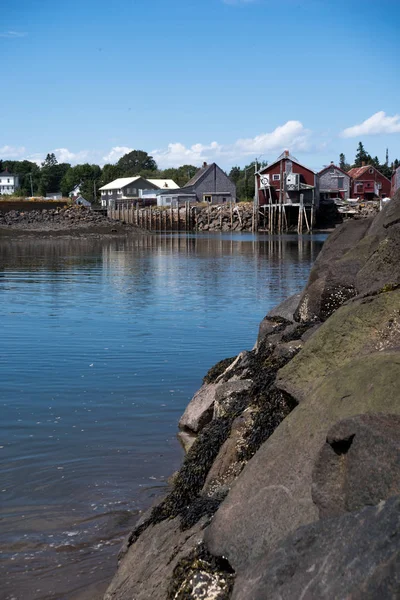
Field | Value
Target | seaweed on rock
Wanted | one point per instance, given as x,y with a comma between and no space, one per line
216,370
201,575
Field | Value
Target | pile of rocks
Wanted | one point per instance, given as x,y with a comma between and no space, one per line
290,487
70,218
225,218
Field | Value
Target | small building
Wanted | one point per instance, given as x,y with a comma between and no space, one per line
395,181
287,182
9,183
124,189
210,184
334,183
80,201
368,183
75,192
54,196
134,189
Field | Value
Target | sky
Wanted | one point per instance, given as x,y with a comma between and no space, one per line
199,80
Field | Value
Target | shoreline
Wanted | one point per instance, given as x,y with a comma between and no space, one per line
261,423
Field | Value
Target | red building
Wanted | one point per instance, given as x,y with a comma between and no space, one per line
368,183
286,181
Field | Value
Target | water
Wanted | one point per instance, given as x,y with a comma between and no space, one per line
103,342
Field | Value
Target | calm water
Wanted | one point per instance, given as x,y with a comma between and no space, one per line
103,342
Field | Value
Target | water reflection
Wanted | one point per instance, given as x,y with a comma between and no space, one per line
103,343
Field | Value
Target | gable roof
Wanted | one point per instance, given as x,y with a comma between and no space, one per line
200,173
164,183
332,165
119,183
285,155
357,172
7,174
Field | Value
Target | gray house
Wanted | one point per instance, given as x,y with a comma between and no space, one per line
209,184
125,189
334,183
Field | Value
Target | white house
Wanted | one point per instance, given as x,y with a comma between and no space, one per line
132,188
8,183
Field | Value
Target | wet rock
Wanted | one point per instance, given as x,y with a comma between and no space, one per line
286,309
186,439
355,556
272,495
359,464
357,329
228,463
146,569
200,409
226,394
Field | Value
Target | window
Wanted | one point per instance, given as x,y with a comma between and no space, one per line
103,192
276,177
332,171
223,199
340,183
133,190
207,198
379,185
8,181
110,192
370,171
119,191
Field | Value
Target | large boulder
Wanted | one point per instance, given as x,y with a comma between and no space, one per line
272,495
360,257
359,464
355,556
200,409
286,309
365,325
147,568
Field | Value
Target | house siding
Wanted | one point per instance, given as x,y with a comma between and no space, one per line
285,165
8,183
367,180
138,185
215,184
328,183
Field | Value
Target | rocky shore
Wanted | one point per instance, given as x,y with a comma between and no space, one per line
72,220
290,487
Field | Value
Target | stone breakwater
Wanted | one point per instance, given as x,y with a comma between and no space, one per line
290,487
72,219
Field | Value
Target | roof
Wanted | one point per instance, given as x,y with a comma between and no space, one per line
7,174
164,183
332,165
357,172
285,155
117,184
197,176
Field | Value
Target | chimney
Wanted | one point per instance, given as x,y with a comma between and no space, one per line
204,165
363,163
286,153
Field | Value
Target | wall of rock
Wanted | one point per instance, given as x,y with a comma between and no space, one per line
290,487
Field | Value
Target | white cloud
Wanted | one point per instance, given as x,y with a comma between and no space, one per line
291,135
12,34
379,123
116,153
8,152
64,155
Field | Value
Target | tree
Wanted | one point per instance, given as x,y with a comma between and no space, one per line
235,174
342,163
51,175
86,176
361,156
50,160
180,175
136,161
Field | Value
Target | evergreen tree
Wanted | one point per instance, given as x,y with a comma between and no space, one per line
342,162
361,156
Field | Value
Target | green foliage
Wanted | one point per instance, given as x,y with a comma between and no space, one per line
180,175
86,176
135,162
343,164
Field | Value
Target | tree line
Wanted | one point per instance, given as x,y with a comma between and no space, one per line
362,157
52,177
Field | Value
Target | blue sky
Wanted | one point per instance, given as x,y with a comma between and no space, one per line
191,80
